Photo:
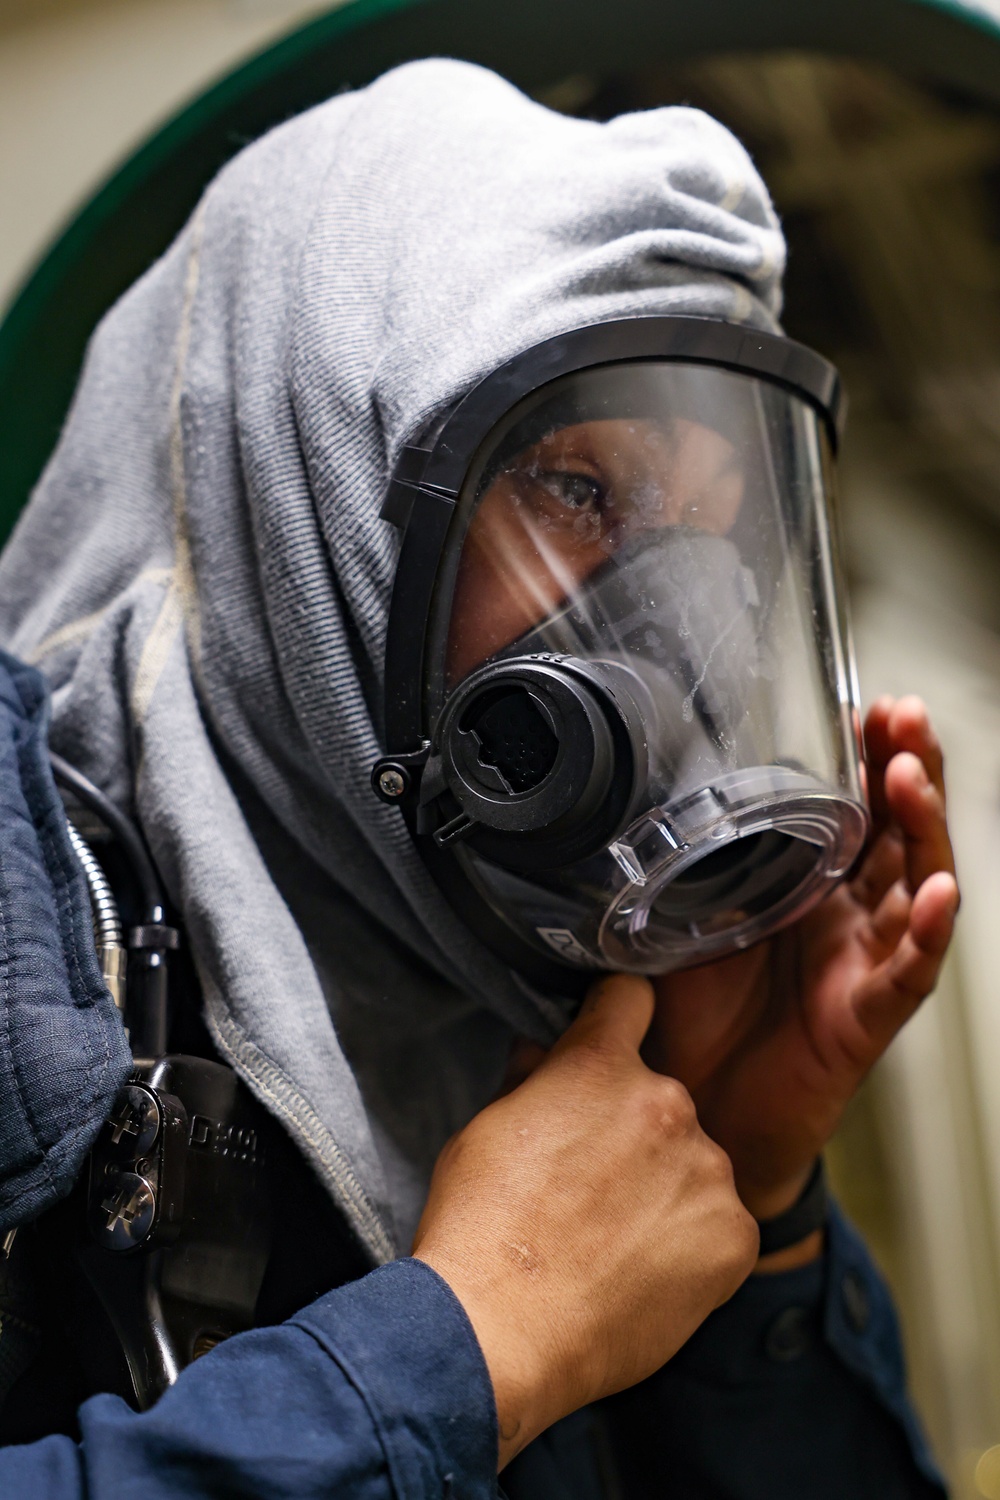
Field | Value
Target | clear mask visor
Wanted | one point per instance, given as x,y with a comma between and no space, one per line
667,527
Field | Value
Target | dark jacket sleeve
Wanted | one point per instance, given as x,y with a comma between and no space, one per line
795,1387
378,1391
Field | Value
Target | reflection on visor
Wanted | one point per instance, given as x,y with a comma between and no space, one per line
662,528
570,501
678,609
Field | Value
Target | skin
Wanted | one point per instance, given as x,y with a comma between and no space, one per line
817,1006
583,1219
568,503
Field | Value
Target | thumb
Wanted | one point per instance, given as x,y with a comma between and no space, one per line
615,1015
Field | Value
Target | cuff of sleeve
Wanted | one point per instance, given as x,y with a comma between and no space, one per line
839,1303
403,1339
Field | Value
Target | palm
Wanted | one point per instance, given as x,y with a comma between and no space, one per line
773,1042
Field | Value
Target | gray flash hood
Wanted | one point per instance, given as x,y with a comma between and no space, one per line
203,575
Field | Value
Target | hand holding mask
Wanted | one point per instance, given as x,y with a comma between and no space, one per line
773,1042
585,1221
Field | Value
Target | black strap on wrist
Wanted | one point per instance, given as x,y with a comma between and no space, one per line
807,1214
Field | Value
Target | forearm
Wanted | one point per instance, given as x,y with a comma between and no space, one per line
376,1392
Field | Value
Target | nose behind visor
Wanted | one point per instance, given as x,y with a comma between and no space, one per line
642,732
676,610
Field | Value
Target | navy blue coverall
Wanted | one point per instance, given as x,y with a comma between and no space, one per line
378,1391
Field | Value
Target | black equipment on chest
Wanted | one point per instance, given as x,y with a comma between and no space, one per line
179,1215
195,1217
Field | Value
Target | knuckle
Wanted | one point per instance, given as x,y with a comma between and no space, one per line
720,1167
674,1106
747,1246
742,1246
674,1092
751,1229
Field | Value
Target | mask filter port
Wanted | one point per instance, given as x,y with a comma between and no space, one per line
729,886
514,739
543,755
774,843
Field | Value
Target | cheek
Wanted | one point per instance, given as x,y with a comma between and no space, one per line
475,632
502,590
510,578
724,501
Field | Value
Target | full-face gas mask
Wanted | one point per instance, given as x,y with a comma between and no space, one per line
620,699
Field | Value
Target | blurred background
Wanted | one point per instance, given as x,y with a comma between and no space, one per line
84,81
889,188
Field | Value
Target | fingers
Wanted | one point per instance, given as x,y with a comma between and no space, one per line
907,880
614,1018
895,724
907,976
906,790
879,750
910,729
881,867
891,918
932,920
917,805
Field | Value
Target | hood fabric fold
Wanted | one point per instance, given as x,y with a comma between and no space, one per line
204,578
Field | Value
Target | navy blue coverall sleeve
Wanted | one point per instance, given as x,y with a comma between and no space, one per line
379,1391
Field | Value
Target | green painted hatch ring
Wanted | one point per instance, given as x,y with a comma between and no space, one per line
134,216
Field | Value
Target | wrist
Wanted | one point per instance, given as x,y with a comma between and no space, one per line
794,1236
770,1200
526,1386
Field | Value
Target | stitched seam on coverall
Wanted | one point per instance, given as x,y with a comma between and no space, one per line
81,629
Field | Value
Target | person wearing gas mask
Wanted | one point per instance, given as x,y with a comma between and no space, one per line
438,565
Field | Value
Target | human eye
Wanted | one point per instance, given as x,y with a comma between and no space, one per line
576,491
